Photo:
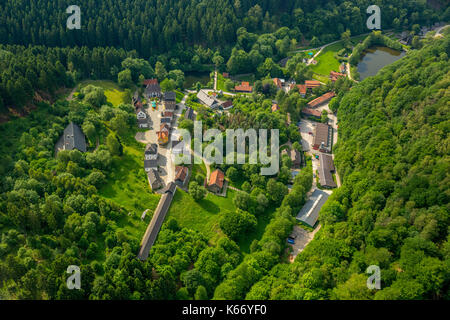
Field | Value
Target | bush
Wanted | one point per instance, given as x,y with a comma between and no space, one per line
235,224
197,191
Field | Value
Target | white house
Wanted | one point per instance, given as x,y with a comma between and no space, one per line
151,151
140,114
207,100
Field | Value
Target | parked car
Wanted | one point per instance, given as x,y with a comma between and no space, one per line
310,133
290,241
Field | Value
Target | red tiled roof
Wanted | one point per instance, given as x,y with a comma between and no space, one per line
181,173
225,75
335,75
314,103
312,112
277,82
164,127
150,81
244,86
168,114
312,84
217,178
227,104
338,74
302,88
162,135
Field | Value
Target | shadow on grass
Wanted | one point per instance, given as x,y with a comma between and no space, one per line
209,206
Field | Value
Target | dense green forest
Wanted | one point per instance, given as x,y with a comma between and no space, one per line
393,207
155,27
26,70
38,52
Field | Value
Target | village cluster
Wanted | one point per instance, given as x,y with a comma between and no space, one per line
157,113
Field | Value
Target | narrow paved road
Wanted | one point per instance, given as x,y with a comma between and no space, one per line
208,169
215,80
438,30
349,74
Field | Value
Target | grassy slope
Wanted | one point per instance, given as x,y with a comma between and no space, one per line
128,186
326,60
179,96
113,92
202,216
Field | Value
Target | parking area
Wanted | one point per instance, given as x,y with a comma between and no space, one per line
306,127
302,238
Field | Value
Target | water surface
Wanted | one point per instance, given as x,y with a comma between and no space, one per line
375,58
192,77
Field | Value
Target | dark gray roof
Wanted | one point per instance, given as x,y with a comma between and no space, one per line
169,96
171,188
153,88
155,224
189,114
325,171
154,177
166,120
72,138
142,121
324,134
310,211
151,148
150,163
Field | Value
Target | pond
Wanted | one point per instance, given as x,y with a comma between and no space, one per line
375,58
192,77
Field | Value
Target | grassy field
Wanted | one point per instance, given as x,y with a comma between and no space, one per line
220,82
128,186
114,94
321,78
326,61
202,216
179,96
